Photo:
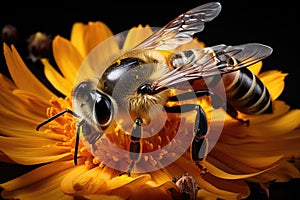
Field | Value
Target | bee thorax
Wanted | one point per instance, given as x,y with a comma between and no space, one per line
145,106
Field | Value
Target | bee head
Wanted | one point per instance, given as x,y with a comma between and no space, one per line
92,105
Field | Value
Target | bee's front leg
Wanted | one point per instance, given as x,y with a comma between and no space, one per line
79,125
135,145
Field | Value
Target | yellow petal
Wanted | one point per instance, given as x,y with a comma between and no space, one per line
67,182
32,150
272,147
195,43
37,175
6,84
21,110
235,186
188,167
160,177
229,164
99,59
32,104
235,133
85,181
94,34
100,196
14,121
279,107
174,170
284,172
31,98
89,182
59,82
287,172
41,183
274,81
278,125
5,158
243,160
205,195
21,74
147,192
121,181
136,35
125,186
67,57
76,37
19,102
80,177
224,175
14,133
96,43
255,68
14,125
217,189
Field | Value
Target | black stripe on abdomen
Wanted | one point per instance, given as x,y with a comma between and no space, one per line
248,94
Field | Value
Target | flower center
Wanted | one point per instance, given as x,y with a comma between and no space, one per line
113,147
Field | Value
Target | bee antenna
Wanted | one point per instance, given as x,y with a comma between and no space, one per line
55,116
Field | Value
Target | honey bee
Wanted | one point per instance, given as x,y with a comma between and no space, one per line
144,76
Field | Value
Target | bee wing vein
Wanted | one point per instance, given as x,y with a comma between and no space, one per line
181,29
216,60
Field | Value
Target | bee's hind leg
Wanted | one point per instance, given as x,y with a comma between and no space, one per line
135,146
199,144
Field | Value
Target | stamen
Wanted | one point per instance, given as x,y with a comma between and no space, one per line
101,151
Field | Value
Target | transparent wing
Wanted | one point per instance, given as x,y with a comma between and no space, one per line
181,29
220,59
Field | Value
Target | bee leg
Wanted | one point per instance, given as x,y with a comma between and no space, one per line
217,102
230,110
92,135
135,145
79,125
56,116
199,144
77,132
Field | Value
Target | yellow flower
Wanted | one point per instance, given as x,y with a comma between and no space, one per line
259,153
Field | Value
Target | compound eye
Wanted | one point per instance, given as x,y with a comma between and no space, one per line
103,110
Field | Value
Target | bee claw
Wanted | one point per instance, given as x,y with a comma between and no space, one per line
203,172
123,173
202,168
246,122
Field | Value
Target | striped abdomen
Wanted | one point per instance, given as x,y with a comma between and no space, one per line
247,94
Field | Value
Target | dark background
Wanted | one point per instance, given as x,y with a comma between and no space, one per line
271,23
